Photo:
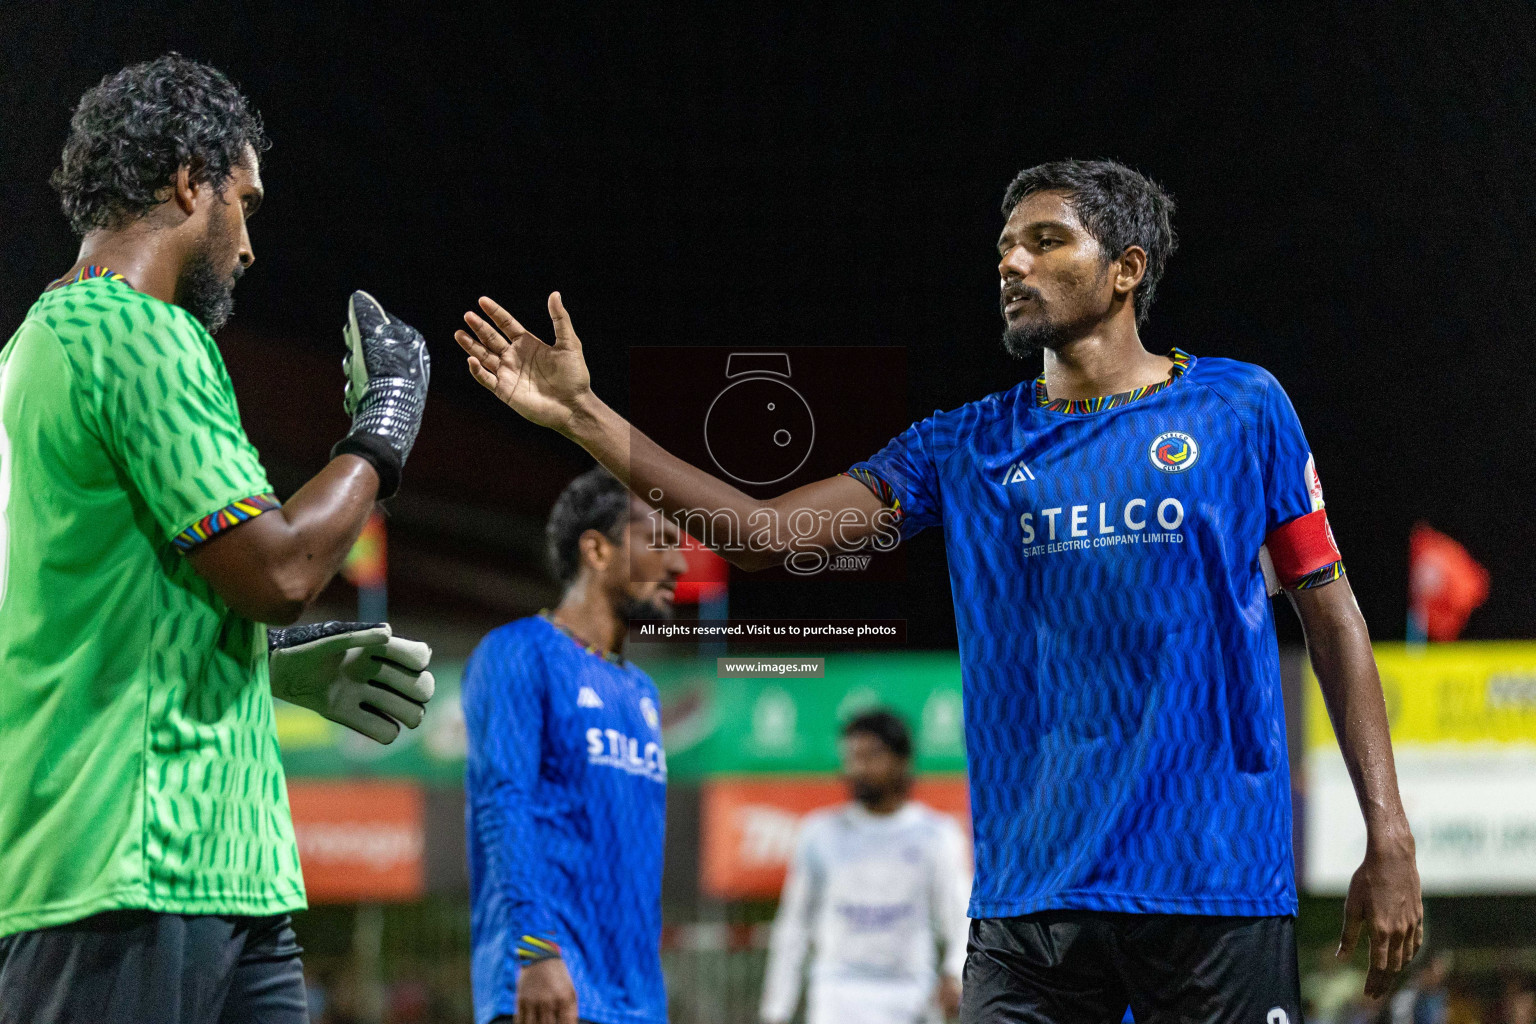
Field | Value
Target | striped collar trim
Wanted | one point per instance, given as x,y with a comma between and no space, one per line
608,656
87,273
1181,363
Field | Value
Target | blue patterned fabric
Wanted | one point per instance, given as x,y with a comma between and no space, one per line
1123,716
565,808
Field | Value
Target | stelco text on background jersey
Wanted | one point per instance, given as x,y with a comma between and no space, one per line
875,895
137,746
566,809
1124,725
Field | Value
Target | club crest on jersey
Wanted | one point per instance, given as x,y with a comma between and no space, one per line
649,713
1173,452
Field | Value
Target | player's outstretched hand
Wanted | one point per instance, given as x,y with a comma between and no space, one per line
545,994
358,674
387,370
542,383
1384,898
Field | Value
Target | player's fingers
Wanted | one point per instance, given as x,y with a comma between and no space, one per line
412,654
1418,939
1380,948
1396,939
506,321
471,344
387,702
565,334
348,639
478,371
416,686
1376,983
568,1010
371,724
489,336
1353,920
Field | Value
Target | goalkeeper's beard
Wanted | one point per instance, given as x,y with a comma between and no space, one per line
203,290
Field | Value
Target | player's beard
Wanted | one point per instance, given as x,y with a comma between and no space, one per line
634,609
1024,339
1047,330
205,290
871,794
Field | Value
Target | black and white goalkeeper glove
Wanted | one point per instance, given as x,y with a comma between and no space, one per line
358,674
387,370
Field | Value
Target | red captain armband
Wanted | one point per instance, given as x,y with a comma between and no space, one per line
1302,546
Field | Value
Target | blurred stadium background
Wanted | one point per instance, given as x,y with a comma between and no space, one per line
1356,214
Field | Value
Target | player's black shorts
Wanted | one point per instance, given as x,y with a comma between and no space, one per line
1076,965
147,968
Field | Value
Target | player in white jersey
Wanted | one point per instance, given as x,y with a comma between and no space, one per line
878,886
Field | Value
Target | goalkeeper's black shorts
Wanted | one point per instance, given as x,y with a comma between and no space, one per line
1066,966
138,966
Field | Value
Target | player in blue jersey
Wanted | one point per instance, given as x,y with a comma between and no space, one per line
1114,528
566,781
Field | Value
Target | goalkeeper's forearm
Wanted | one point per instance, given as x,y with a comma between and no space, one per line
272,566
688,494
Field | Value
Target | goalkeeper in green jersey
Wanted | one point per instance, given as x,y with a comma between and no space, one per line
147,856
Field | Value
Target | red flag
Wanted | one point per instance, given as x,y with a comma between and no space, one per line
706,575
1445,583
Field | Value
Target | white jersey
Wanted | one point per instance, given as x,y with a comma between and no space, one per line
875,894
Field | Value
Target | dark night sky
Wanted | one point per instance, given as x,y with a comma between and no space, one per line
1355,185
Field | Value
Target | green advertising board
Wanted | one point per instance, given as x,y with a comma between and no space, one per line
712,726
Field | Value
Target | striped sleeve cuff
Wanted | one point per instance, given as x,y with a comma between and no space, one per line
1319,577
233,514
533,948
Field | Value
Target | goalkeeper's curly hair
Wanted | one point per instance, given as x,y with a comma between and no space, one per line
131,133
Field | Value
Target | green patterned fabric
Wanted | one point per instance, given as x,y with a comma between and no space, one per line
138,758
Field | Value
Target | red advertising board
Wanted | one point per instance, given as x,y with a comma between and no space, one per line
360,841
750,825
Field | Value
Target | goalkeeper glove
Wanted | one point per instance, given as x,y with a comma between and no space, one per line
387,370
356,673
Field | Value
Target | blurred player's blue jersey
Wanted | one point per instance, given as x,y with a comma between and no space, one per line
1124,723
566,805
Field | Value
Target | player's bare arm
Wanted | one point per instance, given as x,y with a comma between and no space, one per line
273,566
549,385
1384,896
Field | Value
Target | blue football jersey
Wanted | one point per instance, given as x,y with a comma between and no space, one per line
1123,716
565,807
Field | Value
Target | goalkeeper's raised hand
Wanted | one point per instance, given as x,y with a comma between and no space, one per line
358,674
387,370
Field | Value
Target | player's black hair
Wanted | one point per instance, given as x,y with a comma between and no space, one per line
593,501
884,725
1119,207
132,131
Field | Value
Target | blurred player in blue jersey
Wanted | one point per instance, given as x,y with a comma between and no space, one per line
566,780
1114,528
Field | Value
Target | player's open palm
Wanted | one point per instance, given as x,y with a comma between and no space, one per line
543,383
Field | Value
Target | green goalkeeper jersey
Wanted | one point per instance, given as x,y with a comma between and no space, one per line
139,764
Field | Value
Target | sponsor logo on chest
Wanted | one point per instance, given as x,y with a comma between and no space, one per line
615,747
1136,521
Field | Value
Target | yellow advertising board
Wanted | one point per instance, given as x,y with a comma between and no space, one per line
1463,719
